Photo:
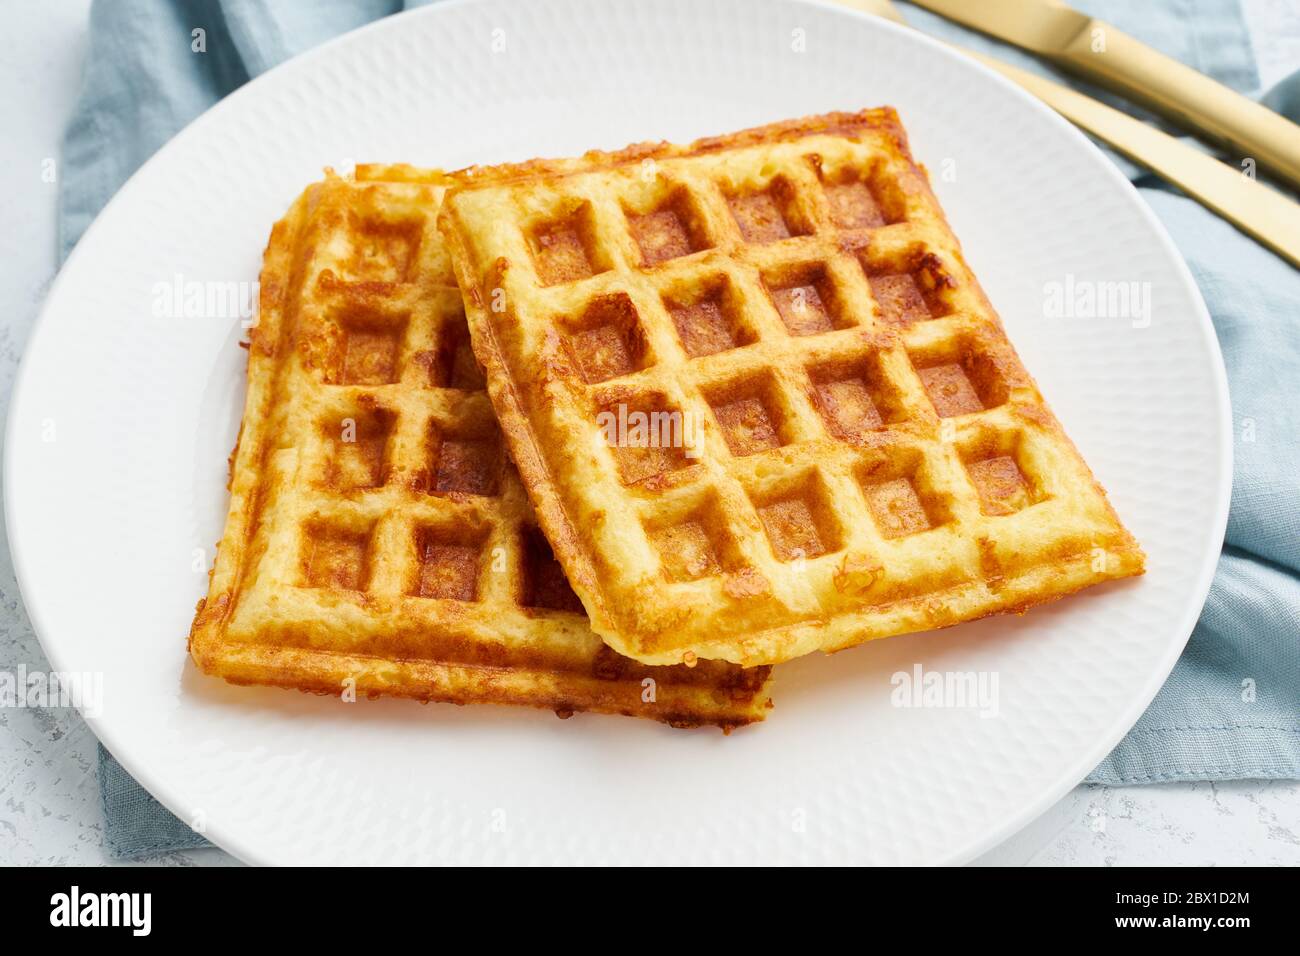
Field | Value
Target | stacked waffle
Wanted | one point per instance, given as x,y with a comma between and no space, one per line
758,406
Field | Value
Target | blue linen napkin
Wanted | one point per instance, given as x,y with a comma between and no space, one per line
1231,707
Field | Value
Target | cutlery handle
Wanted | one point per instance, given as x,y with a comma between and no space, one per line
1119,62
1260,212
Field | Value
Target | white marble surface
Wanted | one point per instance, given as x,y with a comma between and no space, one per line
49,799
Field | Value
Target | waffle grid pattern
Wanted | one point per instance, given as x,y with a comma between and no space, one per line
387,537
842,444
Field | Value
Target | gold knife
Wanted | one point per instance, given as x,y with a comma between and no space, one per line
1106,55
1262,213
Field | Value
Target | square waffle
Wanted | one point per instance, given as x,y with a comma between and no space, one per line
377,537
758,399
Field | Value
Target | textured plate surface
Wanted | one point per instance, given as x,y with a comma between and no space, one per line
127,405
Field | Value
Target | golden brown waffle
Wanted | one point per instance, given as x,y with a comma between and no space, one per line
760,402
377,537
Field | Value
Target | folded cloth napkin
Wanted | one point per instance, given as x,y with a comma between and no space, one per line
1231,707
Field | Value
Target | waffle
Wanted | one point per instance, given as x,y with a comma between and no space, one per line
377,538
758,399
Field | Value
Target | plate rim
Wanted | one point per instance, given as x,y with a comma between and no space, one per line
158,785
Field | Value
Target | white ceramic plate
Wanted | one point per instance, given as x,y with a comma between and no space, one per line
122,420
